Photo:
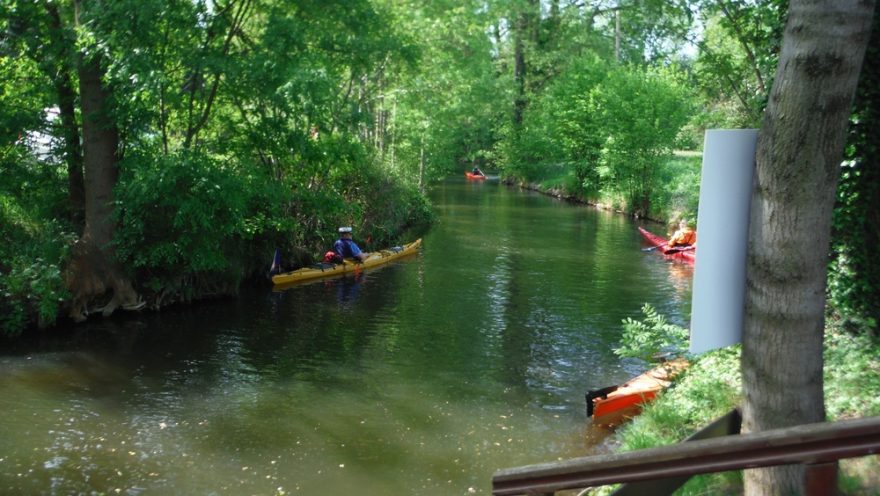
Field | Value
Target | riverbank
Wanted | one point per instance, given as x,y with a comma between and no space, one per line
562,193
179,249
712,386
675,192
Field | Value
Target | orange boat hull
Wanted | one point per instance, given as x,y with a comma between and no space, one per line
610,406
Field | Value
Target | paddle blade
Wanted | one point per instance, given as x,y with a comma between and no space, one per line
276,262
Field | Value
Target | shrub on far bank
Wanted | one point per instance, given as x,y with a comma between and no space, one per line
35,241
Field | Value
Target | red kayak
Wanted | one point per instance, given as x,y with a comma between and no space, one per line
612,405
471,175
687,254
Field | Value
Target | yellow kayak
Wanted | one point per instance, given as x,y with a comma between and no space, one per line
322,270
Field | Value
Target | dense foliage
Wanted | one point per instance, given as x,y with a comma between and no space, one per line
246,125
854,278
242,126
31,286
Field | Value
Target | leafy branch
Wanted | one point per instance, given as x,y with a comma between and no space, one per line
652,337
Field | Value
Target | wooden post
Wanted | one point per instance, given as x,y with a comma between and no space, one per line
820,479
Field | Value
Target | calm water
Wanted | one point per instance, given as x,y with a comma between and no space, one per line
423,377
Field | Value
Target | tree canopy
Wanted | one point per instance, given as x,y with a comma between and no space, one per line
156,151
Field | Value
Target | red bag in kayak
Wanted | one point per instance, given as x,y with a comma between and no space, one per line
332,257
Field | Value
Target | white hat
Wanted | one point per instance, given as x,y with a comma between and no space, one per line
345,229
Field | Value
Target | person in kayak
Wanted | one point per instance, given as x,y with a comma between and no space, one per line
683,238
345,247
477,171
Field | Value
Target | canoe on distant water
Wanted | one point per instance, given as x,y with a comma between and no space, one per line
688,254
471,175
323,270
611,405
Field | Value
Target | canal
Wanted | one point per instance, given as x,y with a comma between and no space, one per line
423,377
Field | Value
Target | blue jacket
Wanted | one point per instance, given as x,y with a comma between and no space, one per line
346,248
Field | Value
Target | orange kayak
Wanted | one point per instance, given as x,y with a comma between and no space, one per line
612,405
471,175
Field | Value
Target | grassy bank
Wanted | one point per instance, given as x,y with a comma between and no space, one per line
675,194
712,386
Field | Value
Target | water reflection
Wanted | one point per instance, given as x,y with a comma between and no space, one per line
681,276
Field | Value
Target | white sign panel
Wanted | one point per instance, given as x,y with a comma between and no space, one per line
719,291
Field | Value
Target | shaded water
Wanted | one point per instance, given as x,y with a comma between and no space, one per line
423,377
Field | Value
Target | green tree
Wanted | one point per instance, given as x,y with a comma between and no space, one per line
38,31
564,127
738,51
94,269
641,114
275,101
444,110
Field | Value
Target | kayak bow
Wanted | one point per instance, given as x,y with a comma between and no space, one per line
612,405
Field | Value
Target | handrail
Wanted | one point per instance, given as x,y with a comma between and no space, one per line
807,444
726,425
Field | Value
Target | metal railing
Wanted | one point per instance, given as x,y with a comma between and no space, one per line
816,445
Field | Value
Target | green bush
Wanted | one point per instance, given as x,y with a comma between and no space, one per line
652,337
188,215
852,373
31,256
679,193
709,389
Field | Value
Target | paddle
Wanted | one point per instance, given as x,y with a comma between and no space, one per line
670,250
276,263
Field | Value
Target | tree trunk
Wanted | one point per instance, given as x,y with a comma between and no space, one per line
526,38
67,112
519,70
422,168
72,150
100,144
617,35
93,269
798,160
393,129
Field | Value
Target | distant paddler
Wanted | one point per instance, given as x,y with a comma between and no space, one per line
684,238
